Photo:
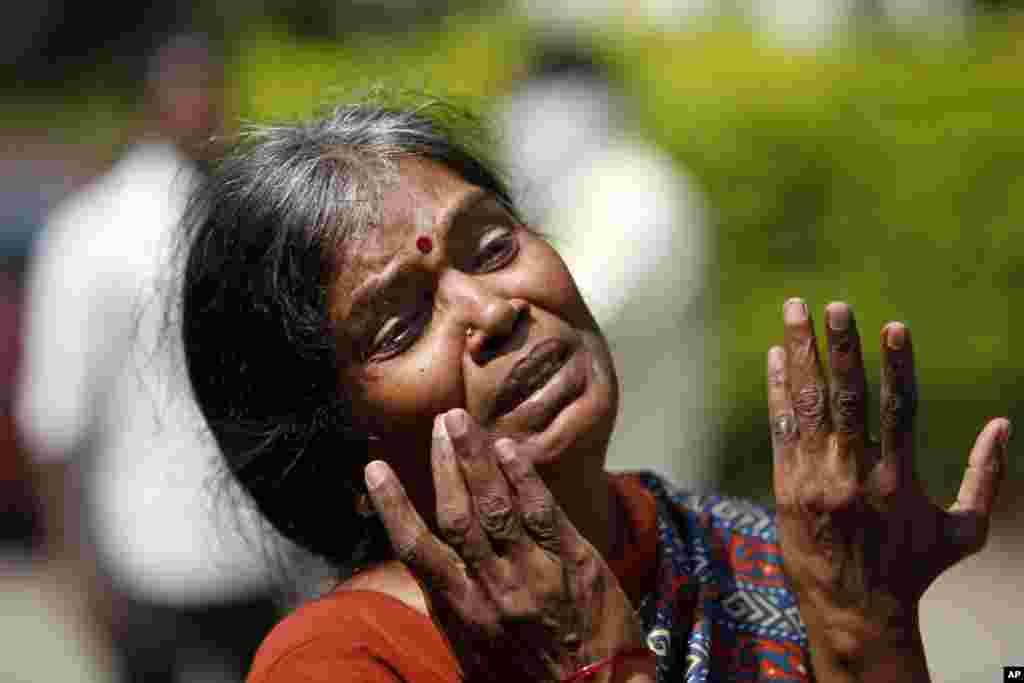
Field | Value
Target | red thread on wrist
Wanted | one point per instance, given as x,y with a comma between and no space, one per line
590,670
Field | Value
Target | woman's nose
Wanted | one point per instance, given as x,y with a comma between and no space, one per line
494,327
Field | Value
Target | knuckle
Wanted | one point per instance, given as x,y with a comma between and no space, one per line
846,406
588,570
898,407
810,405
468,444
843,493
411,551
518,606
848,645
777,376
784,428
803,349
481,617
490,625
843,343
523,476
455,524
848,411
496,516
387,499
809,496
540,519
886,485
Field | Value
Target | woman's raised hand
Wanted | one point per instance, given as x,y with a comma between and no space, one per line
519,592
860,539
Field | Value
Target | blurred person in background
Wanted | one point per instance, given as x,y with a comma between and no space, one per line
601,192
32,184
37,622
105,413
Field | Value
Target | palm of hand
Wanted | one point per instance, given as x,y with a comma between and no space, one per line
860,539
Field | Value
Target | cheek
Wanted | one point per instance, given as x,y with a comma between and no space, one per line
551,285
409,390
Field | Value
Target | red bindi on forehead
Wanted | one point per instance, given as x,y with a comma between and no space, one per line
425,244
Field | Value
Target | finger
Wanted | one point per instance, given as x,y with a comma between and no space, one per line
807,391
456,518
848,384
967,519
492,498
541,515
898,399
781,420
432,561
581,567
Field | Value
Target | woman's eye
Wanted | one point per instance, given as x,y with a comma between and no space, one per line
498,247
397,335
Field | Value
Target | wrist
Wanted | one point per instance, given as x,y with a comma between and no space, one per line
849,645
616,652
640,667
635,664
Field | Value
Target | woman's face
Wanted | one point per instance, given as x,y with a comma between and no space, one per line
488,319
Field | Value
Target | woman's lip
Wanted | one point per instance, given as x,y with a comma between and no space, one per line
530,374
539,409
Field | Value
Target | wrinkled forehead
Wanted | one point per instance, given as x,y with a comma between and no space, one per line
414,201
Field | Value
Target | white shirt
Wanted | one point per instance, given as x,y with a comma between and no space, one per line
103,374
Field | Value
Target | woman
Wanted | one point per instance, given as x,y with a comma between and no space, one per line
361,304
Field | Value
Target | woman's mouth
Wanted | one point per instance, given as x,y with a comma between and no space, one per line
539,385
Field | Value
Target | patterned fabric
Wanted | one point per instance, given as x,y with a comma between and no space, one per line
721,610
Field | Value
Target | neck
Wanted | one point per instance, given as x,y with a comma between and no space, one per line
588,503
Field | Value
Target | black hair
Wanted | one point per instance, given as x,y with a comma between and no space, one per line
260,246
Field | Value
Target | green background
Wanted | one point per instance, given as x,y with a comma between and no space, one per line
886,172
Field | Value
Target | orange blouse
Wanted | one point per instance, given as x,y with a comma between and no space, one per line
366,636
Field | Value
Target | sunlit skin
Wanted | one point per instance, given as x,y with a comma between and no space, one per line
446,330
421,332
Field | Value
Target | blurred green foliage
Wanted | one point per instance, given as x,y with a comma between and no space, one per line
886,173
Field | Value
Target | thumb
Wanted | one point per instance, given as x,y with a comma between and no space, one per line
967,519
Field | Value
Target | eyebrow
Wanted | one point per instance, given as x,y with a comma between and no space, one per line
366,295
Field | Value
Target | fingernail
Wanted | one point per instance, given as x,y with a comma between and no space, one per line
795,311
839,317
506,450
440,431
376,472
456,423
442,441
896,336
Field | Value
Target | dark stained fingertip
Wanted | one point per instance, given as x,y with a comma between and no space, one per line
376,474
896,335
838,316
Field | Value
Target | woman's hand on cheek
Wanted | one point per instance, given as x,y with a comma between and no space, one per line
519,593
860,539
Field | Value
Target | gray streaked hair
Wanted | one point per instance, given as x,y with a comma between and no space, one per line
259,248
